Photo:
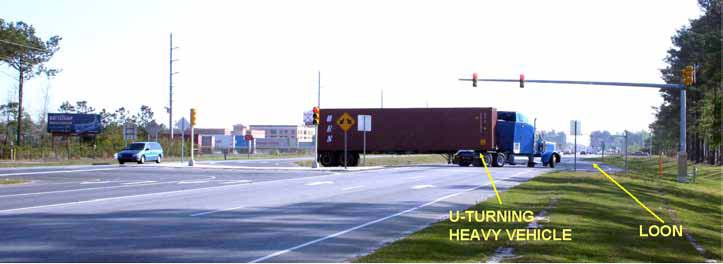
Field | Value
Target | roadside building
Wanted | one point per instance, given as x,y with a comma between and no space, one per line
285,138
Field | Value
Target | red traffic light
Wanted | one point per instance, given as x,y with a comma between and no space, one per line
474,79
315,109
522,80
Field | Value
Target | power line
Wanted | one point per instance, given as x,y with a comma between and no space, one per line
21,45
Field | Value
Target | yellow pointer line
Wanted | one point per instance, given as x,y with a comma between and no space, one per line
499,200
626,191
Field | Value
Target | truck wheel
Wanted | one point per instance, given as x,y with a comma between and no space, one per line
511,159
530,162
327,159
499,160
477,162
353,159
552,162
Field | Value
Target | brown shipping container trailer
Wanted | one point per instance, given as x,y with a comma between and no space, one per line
407,130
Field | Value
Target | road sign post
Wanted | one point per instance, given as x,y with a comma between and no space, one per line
626,152
249,139
365,125
575,130
345,122
183,124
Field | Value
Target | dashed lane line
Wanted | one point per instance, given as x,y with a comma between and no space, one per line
318,183
52,172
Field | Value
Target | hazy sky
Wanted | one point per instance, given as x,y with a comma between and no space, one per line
256,62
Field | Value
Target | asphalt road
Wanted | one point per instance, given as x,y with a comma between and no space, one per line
159,214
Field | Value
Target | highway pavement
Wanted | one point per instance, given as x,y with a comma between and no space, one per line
151,213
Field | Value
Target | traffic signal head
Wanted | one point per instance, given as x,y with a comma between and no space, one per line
522,80
474,79
316,114
193,117
688,75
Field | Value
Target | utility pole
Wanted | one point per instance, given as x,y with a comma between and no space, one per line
170,86
382,98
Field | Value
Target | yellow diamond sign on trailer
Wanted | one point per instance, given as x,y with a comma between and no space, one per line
345,121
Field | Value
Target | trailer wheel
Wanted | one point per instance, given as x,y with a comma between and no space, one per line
530,162
499,160
354,159
327,159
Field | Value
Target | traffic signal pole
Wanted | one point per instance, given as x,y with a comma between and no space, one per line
315,163
688,79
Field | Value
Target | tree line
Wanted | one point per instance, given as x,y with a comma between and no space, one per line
699,45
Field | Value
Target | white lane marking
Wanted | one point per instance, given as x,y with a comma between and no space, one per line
352,188
52,172
75,190
94,182
417,187
281,252
234,182
131,196
416,177
318,183
187,182
216,211
140,182
113,198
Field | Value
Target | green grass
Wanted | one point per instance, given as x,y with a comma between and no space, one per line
604,220
11,181
393,160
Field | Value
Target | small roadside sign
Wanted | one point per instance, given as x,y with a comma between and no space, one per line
182,124
575,127
345,122
249,137
365,123
129,131
308,118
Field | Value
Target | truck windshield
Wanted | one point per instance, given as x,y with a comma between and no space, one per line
136,146
522,119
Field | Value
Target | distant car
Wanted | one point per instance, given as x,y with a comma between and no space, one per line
583,153
141,152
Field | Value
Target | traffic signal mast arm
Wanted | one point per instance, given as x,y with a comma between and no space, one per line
649,85
688,74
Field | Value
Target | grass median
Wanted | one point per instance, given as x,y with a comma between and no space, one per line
604,220
11,181
393,160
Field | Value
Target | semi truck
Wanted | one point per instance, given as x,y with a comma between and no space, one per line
463,135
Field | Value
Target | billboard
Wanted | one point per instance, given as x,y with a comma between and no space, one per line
74,123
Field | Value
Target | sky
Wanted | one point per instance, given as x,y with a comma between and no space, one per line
257,62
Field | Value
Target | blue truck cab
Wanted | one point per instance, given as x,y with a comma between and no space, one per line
514,136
